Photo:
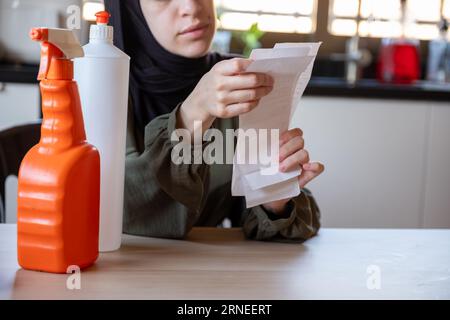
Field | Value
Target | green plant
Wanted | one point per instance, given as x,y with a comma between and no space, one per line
249,38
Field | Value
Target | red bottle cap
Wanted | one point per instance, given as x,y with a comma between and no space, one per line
102,17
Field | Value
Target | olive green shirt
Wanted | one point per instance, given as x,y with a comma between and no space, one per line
164,199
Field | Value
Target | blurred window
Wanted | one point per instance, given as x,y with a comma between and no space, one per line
287,16
383,18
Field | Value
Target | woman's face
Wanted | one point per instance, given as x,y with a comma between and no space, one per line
182,27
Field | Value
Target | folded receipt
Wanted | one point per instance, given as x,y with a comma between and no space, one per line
260,181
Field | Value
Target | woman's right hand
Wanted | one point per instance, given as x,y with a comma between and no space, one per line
226,91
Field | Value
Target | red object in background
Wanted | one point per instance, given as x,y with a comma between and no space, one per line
399,62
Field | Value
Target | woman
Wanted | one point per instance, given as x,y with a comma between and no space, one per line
174,81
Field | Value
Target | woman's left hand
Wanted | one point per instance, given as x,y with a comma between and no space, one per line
292,154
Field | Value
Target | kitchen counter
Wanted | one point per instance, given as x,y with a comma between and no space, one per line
372,89
318,86
18,73
221,264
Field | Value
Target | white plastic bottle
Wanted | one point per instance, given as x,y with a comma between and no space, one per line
102,77
439,55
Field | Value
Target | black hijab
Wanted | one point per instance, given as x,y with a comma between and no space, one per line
159,80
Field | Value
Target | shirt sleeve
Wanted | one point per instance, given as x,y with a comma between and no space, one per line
161,198
299,222
165,199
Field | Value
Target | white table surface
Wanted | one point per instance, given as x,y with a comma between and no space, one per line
221,264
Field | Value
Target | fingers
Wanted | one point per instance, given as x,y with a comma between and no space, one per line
239,96
236,92
290,147
236,78
234,110
245,81
314,166
232,66
288,135
309,172
291,150
292,162
292,155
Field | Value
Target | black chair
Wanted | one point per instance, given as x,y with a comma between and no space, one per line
14,144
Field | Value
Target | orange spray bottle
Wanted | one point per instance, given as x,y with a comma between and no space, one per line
59,178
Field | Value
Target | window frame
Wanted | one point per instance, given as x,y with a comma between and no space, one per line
312,16
358,19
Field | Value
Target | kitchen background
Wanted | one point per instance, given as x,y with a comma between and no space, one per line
376,112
